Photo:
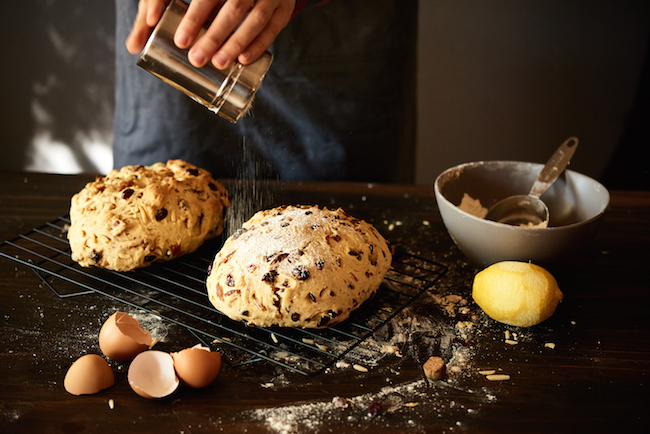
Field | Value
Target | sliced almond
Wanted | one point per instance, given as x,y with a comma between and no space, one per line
360,368
498,377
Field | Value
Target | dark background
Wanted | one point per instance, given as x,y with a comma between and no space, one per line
499,79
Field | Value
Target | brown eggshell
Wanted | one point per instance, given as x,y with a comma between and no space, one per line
87,375
122,337
151,374
197,366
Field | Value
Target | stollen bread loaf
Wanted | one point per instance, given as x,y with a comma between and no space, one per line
138,215
298,266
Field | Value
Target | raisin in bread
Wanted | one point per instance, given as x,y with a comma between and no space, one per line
298,267
137,215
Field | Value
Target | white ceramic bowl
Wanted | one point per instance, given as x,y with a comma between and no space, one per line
576,205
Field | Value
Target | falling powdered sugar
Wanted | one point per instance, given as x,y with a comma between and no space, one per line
251,194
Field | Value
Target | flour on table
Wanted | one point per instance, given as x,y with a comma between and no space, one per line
444,325
409,400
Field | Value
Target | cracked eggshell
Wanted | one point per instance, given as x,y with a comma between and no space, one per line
197,367
152,375
122,337
87,375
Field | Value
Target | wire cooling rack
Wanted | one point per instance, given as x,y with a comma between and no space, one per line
175,291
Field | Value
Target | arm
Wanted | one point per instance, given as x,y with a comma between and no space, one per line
241,30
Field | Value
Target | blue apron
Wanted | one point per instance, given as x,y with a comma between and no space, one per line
338,102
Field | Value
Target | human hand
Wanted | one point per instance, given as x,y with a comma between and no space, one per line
241,30
149,13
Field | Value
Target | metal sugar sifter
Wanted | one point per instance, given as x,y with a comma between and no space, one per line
229,92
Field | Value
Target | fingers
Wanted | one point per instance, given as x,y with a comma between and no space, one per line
255,25
241,30
265,38
197,14
140,30
155,12
231,14
149,13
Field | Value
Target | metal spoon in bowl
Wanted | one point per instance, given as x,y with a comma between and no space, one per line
530,210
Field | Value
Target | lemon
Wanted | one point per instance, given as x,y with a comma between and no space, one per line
516,293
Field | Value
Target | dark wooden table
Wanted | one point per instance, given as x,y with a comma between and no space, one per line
595,379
